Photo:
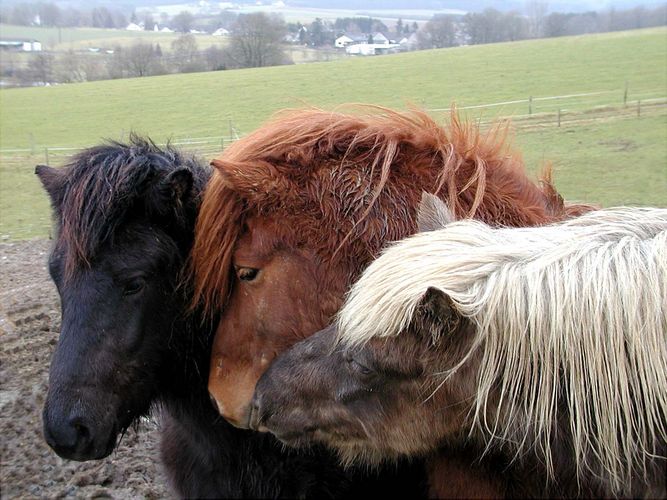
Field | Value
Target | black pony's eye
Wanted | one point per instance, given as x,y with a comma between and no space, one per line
247,273
134,286
358,367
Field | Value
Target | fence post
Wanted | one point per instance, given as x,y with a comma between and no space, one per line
639,108
222,144
530,105
625,94
558,117
46,156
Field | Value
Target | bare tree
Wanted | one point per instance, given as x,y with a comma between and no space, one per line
40,68
216,58
256,40
439,32
69,68
183,22
185,54
537,12
140,59
49,14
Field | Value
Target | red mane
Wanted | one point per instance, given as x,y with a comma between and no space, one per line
345,184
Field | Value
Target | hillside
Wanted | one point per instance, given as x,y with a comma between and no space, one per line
585,77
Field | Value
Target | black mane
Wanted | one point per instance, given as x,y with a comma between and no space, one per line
102,184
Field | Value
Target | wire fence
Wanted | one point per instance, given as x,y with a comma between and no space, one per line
531,112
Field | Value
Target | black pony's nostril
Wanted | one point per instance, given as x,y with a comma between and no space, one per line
82,431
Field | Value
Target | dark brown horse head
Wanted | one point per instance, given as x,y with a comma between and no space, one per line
296,210
125,215
379,401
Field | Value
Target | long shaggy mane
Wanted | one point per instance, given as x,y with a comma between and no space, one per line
571,323
101,184
348,182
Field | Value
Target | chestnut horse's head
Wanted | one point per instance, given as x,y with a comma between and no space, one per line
376,402
296,210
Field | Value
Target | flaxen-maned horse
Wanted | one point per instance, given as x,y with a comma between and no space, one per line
543,348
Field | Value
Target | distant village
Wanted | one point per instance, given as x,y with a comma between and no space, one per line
193,47
357,44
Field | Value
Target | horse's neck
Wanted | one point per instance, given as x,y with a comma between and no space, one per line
462,475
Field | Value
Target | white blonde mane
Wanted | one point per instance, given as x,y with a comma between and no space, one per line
570,314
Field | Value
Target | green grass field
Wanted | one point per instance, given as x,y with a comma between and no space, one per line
81,38
603,152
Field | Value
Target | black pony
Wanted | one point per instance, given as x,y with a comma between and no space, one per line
125,215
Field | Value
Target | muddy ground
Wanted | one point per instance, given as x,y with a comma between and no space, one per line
29,326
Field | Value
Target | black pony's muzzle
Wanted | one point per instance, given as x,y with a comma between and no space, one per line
76,437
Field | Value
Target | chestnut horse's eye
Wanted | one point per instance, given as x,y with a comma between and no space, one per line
133,286
247,273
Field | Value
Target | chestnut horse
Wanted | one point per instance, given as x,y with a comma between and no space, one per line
547,345
126,217
297,209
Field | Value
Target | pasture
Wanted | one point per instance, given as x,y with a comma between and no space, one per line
60,39
603,152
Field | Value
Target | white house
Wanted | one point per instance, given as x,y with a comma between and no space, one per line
220,32
134,27
32,46
342,41
380,39
22,44
371,49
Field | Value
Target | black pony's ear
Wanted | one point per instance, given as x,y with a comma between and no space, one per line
432,213
177,186
439,313
53,182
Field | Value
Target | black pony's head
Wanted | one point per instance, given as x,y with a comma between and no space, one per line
125,215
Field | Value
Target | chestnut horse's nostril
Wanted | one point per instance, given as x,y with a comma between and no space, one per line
254,413
214,402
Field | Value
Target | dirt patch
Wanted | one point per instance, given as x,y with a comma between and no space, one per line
29,326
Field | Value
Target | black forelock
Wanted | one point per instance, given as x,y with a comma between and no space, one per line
103,184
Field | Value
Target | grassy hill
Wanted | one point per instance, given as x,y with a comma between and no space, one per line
603,152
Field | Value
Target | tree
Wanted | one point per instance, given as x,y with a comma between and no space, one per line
69,67
256,40
140,58
536,11
40,67
49,14
399,27
216,58
71,17
183,22
319,33
437,33
102,18
185,53
23,14
149,22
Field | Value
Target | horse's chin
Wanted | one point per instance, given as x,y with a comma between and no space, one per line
361,453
